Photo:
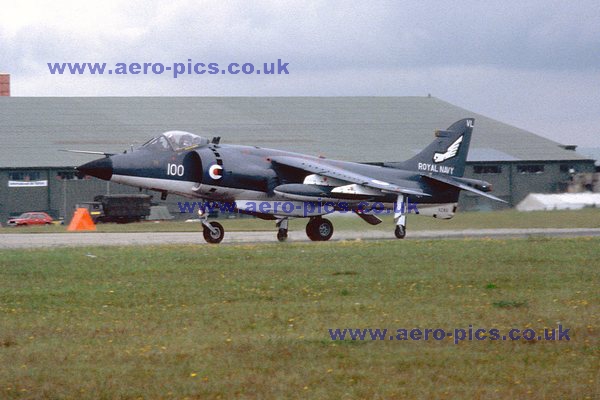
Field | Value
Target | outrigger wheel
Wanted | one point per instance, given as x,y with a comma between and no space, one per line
319,229
400,216
282,234
213,234
282,231
400,231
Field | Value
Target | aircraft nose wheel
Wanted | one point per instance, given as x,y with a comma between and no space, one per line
400,232
319,229
215,235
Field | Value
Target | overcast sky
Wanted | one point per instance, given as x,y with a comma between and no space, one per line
533,64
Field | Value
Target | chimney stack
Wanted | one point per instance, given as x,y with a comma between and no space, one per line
4,84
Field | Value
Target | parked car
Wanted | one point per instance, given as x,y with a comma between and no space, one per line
30,218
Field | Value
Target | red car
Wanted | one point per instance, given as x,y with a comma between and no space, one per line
30,218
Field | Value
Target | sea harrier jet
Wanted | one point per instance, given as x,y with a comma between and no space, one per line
279,185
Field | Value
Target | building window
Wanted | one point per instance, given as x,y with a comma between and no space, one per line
487,169
24,176
67,175
530,169
568,168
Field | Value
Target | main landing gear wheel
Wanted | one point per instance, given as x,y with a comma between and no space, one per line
400,232
215,235
282,235
319,229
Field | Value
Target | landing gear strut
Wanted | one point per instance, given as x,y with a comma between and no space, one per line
400,217
319,229
213,232
282,231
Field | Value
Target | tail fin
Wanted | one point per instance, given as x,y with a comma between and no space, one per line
447,154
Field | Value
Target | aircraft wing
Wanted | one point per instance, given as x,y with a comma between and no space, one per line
331,171
461,185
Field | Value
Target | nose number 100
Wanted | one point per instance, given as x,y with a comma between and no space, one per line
175,169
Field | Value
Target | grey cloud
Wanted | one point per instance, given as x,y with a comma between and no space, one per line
317,36
531,63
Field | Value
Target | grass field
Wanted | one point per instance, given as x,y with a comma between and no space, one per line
585,218
251,321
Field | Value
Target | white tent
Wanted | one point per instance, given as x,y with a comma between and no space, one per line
563,201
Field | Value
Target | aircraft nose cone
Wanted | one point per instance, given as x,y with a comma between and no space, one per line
101,168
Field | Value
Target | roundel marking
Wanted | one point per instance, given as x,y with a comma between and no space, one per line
215,171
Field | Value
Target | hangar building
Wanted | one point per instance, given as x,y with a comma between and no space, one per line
36,176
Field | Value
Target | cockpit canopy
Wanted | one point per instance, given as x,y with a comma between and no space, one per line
176,140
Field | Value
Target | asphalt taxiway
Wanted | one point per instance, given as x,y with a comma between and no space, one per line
38,240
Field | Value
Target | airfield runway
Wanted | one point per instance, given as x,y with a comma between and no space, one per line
36,240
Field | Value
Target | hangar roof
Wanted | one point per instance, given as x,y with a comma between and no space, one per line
33,129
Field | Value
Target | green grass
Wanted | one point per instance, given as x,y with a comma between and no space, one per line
251,321
585,218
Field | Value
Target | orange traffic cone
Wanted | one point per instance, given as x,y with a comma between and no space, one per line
82,221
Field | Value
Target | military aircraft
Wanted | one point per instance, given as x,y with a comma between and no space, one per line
291,185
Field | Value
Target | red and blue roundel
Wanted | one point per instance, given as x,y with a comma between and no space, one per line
215,172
